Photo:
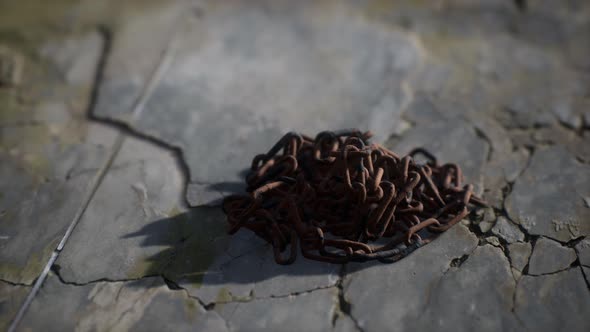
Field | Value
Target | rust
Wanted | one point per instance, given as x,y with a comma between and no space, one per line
338,198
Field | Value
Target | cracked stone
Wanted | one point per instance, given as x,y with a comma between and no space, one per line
145,304
550,256
76,58
545,199
505,229
133,219
231,275
553,302
11,67
38,197
450,140
493,241
583,251
489,218
345,324
290,68
519,254
458,302
11,297
411,280
311,311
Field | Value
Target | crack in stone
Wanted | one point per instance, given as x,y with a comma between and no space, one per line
344,306
15,284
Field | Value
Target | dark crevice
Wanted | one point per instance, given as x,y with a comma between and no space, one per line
344,306
457,262
16,284
176,151
481,134
533,242
125,128
55,269
521,5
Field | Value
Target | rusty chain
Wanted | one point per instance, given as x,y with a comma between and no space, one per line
341,199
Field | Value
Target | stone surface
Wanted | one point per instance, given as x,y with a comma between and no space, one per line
374,307
283,313
141,190
488,221
501,87
11,297
583,251
546,200
505,229
42,141
262,73
549,256
458,303
450,140
142,305
553,302
519,255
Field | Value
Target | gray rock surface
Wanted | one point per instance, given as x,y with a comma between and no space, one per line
546,200
142,305
231,70
498,88
583,251
280,314
505,229
457,302
130,220
519,255
558,301
550,256
40,147
382,295
11,297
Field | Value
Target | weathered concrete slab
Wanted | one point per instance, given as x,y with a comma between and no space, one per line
546,199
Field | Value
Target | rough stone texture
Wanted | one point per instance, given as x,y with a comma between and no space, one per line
583,251
501,90
280,314
130,220
505,229
488,221
549,256
553,302
375,308
11,296
458,303
554,181
143,305
262,73
40,147
519,255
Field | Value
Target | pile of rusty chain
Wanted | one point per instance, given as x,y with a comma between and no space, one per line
342,199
